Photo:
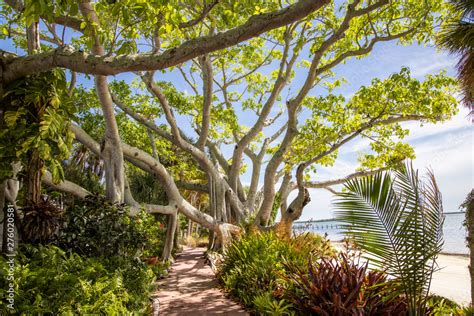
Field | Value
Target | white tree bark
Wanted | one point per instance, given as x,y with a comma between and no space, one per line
65,186
207,79
111,152
170,235
176,202
181,141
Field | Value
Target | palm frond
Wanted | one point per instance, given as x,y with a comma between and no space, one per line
396,219
457,36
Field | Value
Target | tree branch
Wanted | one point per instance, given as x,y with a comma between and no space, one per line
65,186
329,183
207,93
68,57
207,8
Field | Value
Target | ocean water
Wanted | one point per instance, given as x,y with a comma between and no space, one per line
454,232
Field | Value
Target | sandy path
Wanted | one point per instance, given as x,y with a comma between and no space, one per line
191,289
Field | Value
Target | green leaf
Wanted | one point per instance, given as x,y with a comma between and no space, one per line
397,222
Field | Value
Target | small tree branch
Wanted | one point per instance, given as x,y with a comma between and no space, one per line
207,8
328,183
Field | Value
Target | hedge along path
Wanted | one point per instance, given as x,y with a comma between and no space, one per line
192,289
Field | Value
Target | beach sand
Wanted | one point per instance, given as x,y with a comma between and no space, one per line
453,280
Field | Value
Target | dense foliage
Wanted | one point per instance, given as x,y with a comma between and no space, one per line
49,280
97,227
181,136
252,265
107,263
37,114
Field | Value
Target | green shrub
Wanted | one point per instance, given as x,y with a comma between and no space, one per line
96,227
444,306
253,263
48,280
266,304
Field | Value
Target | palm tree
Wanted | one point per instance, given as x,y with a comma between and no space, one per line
457,36
396,220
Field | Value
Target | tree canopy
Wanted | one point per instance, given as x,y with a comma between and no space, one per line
210,90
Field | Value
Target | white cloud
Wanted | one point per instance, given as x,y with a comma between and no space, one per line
423,66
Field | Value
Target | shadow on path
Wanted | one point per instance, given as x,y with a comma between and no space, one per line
191,289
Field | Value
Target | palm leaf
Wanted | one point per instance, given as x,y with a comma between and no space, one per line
396,219
457,36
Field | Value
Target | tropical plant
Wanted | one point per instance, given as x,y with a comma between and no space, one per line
457,36
341,285
41,221
35,128
51,281
443,306
266,304
252,265
396,219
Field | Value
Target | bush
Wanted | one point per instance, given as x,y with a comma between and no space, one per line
96,227
48,280
253,263
340,285
439,305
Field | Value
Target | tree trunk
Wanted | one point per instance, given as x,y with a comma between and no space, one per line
33,172
189,231
33,38
111,151
293,213
212,209
228,209
269,193
176,202
33,179
170,232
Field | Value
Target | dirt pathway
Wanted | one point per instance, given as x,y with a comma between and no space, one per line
191,289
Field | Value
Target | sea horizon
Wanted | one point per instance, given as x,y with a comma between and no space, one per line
454,232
